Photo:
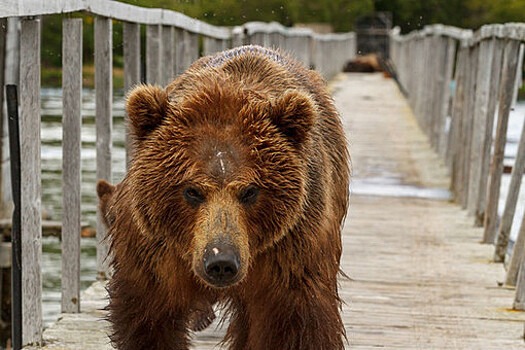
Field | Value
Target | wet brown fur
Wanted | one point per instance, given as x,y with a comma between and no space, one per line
245,117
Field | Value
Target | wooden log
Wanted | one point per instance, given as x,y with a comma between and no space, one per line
167,59
153,54
71,173
31,185
104,123
132,65
505,226
482,96
497,47
510,60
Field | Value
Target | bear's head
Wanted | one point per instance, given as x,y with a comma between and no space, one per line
218,171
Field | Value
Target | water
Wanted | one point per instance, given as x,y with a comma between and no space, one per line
52,186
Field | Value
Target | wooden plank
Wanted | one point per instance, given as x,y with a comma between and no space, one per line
167,56
132,65
30,178
104,123
71,173
510,59
153,54
489,129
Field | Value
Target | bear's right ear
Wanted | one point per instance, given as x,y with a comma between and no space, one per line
105,192
146,107
104,189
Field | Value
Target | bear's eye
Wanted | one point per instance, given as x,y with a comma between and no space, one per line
193,196
249,195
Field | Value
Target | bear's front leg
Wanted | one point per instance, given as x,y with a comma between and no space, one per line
296,318
142,320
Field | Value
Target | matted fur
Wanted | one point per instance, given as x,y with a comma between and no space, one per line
248,117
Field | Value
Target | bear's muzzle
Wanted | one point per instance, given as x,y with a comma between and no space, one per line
221,264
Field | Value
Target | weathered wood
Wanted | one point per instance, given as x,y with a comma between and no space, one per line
454,135
111,9
104,123
450,58
516,262
132,65
497,47
193,47
30,177
167,60
153,54
510,210
71,173
483,82
519,299
180,48
468,122
510,60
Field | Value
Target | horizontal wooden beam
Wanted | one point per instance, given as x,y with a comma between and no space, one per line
112,9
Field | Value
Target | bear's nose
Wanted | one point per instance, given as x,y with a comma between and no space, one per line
221,264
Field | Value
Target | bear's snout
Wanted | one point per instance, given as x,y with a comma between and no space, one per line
221,262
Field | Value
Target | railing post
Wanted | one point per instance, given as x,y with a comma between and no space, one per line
510,208
483,82
71,174
497,48
30,175
153,53
132,65
510,60
167,60
104,124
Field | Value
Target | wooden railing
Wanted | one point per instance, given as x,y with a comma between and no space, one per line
172,43
460,84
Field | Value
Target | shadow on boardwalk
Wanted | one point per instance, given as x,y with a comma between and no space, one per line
420,279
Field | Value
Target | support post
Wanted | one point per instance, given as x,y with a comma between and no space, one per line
71,173
104,124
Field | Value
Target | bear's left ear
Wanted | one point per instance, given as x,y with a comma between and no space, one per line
294,115
146,107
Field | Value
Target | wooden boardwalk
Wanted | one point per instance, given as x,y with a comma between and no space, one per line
420,279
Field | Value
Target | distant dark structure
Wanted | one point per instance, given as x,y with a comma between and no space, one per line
373,34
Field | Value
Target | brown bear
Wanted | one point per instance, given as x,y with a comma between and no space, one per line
235,194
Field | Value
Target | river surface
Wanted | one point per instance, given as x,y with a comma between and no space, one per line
52,183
